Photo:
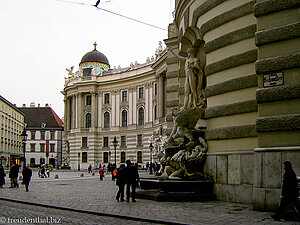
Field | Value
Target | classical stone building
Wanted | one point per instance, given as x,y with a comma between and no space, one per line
44,135
249,52
103,103
12,124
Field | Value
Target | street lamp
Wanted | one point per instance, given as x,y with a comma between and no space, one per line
115,143
151,148
24,138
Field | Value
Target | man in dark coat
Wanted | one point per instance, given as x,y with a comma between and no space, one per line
2,176
132,177
121,180
13,175
289,191
27,173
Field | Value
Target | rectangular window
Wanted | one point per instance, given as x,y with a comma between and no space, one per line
139,140
141,92
42,147
84,142
124,96
52,147
106,98
105,157
123,141
52,135
32,147
32,137
155,89
88,100
42,135
105,141
84,157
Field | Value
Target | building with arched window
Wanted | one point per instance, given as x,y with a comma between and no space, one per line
103,103
249,55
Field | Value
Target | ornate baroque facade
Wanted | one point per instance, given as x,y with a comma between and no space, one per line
249,53
121,103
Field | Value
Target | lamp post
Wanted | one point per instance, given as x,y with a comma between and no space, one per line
115,143
24,138
151,148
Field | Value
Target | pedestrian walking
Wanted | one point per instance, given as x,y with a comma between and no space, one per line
13,175
43,172
114,174
2,176
289,191
132,178
27,174
90,168
101,172
121,180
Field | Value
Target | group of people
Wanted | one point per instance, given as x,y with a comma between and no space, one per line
128,176
44,171
13,176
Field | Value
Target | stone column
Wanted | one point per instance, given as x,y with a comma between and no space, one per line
94,111
79,111
100,99
134,119
146,103
118,108
151,102
160,95
113,109
73,112
66,112
130,101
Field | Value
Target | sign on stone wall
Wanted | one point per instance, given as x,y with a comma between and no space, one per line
273,79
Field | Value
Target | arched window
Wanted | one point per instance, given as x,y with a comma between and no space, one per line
106,120
123,157
124,118
141,116
139,157
105,157
88,120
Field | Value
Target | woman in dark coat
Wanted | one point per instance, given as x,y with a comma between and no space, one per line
2,176
27,173
289,191
121,180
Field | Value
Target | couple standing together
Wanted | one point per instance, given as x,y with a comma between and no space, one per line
127,175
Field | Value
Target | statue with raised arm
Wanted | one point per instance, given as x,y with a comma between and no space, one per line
194,77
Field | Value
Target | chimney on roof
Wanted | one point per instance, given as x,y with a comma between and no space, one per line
32,104
24,105
46,105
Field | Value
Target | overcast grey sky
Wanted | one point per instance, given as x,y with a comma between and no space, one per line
41,38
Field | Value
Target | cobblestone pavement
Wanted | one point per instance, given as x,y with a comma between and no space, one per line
88,193
16,213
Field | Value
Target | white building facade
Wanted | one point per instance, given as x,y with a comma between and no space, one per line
11,126
121,103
